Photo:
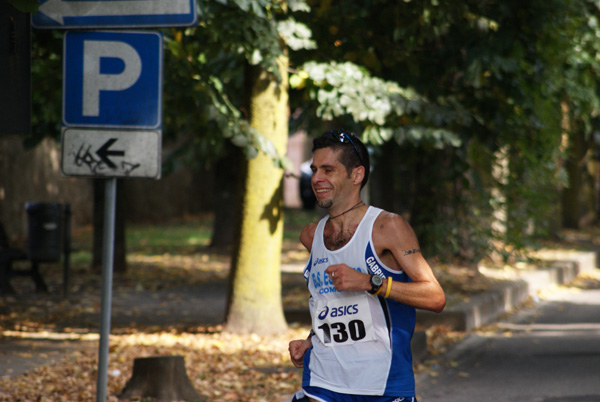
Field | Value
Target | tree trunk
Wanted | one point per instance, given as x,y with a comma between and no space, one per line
571,202
255,299
160,377
120,262
228,192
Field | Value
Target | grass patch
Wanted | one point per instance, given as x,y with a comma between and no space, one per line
185,237
178,237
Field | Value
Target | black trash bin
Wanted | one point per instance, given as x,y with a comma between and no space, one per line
44,231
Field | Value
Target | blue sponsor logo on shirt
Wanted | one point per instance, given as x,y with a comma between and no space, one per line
323,313
324,284
340,311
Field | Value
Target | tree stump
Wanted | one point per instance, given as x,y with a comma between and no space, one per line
160,377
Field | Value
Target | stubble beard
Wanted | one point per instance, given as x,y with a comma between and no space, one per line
326,204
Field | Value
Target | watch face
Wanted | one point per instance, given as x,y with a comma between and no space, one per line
376,280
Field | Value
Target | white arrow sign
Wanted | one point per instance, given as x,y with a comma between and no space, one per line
111,153
98,13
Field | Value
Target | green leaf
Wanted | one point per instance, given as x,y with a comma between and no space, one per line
296,35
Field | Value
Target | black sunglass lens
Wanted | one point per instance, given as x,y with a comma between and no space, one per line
345,138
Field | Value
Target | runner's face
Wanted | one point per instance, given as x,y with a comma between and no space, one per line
330,180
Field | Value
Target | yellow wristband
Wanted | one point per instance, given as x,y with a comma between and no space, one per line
389,287
378,291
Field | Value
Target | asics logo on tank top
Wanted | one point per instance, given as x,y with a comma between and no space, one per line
339,311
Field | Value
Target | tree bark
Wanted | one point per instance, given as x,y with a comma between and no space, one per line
571,201
255,300
160,377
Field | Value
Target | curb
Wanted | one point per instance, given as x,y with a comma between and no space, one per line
562,267
478,310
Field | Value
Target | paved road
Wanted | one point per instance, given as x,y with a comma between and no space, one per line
550,353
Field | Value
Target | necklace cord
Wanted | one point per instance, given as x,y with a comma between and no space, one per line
346,211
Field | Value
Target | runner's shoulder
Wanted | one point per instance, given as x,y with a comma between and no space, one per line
307,235
390,226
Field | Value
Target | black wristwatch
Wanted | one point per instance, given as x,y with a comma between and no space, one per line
376,283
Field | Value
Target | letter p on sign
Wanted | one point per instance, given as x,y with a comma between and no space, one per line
94,80
112,79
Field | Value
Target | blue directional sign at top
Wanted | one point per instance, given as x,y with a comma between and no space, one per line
77,14
112,79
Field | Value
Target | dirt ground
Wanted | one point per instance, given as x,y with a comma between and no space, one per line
163,304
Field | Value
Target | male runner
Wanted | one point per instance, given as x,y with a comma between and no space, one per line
366,276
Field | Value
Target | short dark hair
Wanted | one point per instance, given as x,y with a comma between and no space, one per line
354,153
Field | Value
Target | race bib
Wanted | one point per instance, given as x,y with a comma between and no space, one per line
343,321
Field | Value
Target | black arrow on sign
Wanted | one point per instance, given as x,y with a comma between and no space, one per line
104,153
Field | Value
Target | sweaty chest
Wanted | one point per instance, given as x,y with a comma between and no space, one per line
335,239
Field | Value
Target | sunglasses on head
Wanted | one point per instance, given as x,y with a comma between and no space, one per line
342,137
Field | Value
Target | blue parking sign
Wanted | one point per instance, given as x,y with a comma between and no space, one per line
112,79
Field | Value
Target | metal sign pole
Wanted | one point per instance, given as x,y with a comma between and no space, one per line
107,271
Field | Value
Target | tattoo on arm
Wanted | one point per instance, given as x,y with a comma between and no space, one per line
413,251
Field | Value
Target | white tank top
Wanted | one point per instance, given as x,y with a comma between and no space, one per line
362,342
